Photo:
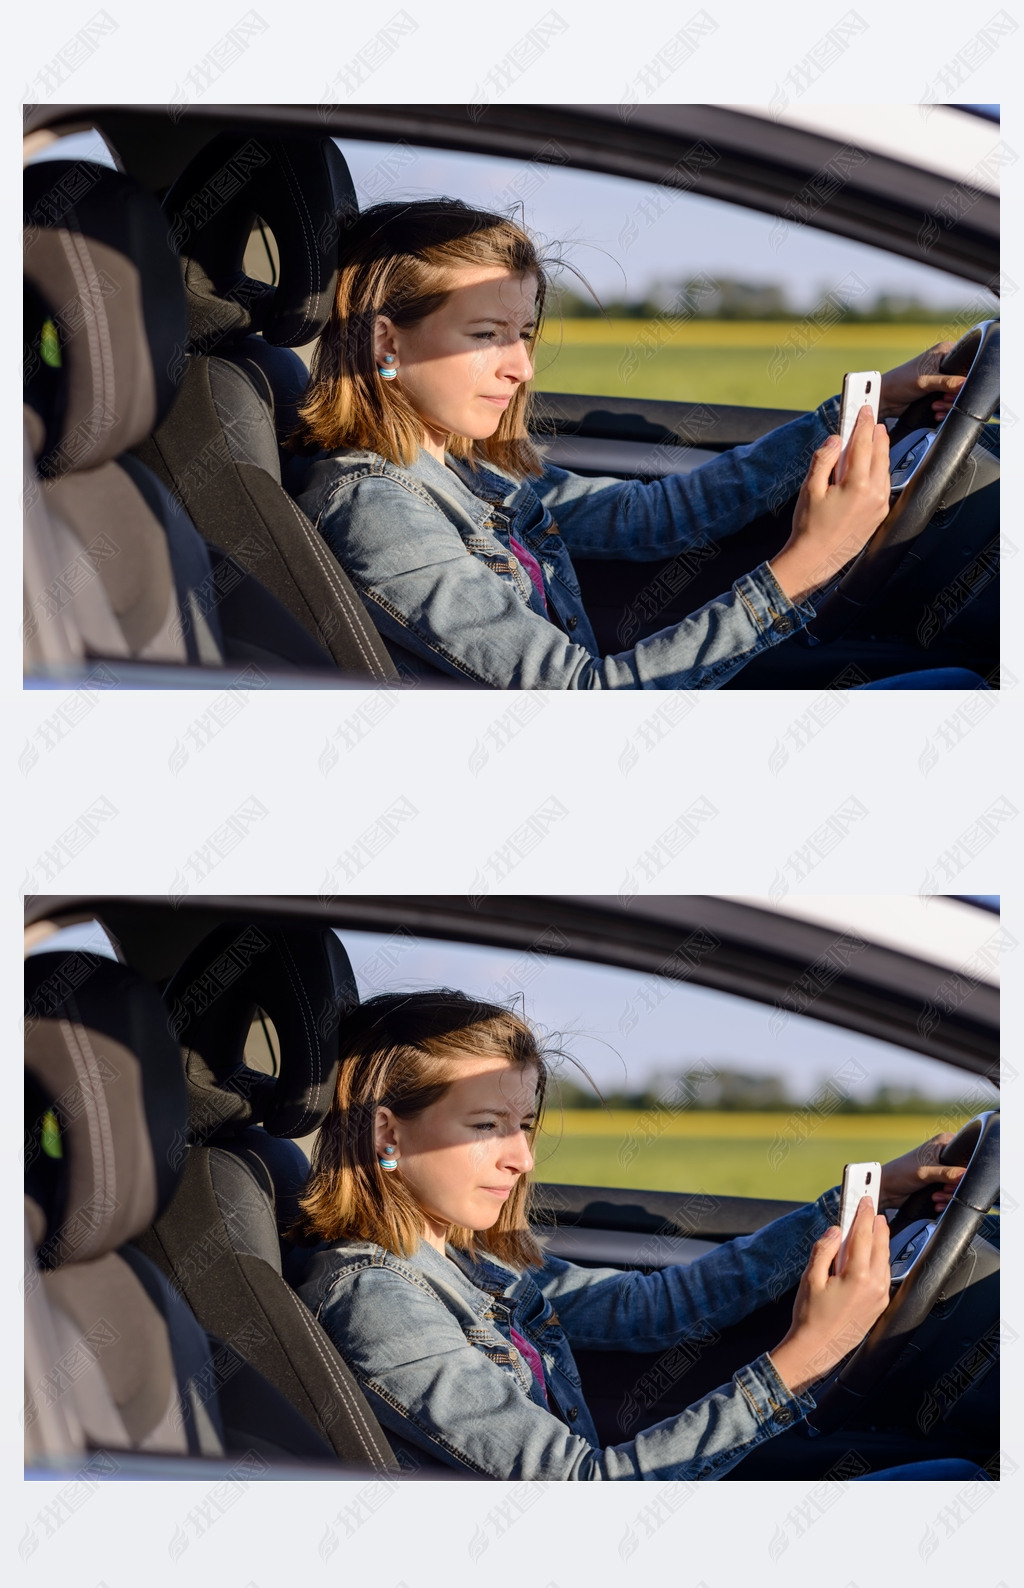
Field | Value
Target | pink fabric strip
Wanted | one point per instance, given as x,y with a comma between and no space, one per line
532,567
532,1356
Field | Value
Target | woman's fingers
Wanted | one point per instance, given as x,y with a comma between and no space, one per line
858,457
822,1253
858,1247
822,464
880,461
868,463
928,1152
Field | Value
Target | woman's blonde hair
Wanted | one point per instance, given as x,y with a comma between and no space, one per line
401,1051
398,261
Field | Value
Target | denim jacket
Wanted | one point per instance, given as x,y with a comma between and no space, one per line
427,547
428,1337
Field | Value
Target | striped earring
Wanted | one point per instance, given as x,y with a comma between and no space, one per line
390,1161
387,374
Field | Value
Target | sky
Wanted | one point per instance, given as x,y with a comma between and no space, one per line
628,1029
604,224
626,236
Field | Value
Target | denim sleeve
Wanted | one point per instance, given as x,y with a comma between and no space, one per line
436,1390
607,1308
663,517
429,594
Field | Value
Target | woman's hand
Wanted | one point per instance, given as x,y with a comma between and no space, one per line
920,1167
833,1313
832,522
917,378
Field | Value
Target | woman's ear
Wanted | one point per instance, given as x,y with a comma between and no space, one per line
383,338
383,1129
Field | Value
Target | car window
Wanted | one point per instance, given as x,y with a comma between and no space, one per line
701,301
704,1092
85,936
83,144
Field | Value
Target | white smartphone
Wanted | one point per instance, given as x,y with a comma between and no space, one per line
858,388
859,1180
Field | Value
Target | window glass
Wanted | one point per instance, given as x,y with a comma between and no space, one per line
87,936
85,145
705,301
704,1091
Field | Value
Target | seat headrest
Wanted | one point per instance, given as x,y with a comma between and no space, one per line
106,1103
297,185
97,255
301,978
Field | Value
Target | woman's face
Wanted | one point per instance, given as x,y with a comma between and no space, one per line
461,1157
461,366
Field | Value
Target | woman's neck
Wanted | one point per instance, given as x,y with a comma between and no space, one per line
434,444
435,1235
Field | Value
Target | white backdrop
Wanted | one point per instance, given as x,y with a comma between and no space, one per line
581,791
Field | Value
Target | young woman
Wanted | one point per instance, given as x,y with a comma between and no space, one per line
461,1330
428,490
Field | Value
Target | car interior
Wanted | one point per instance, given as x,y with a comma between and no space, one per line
162,378
172,1095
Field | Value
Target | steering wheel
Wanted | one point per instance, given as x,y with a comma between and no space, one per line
929,1268
921,495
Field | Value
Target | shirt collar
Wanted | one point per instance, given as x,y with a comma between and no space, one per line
484,482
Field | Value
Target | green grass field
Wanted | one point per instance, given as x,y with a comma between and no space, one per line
792,1156
750,362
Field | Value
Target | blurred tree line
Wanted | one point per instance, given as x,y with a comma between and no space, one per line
725,298
730,1090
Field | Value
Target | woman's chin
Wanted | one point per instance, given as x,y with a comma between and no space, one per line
480,427
484,1218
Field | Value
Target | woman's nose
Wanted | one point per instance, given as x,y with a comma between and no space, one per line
517,1155
516,363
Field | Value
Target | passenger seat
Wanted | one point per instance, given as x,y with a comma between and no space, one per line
114,566
114,1359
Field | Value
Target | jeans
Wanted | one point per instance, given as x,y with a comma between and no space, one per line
931,678
927,1470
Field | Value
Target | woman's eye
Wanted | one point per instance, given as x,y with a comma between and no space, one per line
489,1125
483,336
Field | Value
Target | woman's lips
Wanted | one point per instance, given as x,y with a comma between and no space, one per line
499,402
498,1190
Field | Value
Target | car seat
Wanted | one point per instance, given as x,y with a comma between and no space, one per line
217,449
115,568
114,1359
219,1241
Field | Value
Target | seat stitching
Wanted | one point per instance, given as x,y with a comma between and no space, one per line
294,183
296,982
311,256
262,375
91,326
345,1388
93,1098
326,567
99,310
332,1367
356,617
332,578
88,1099
103,1111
